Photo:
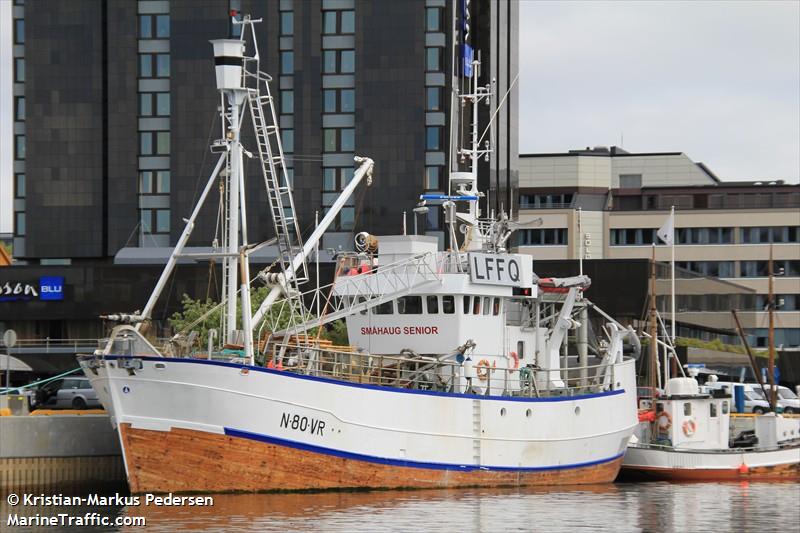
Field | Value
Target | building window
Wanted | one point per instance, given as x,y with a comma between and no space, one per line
339,139
433,19
19,108
338,61
287,140
342,22
543,237
433,59
19,69
704,235
19,147
774,234
545,201
154,182
287,102
155,220
19,31
153,26
287,62
339,100
433,138
433,178
433,98
287,23
154,143
154,104
760,269
19,224
19,185
154,65
717,269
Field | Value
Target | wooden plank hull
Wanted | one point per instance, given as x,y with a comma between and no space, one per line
182,460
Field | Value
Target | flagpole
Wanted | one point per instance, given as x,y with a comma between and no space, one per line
672,264
580,244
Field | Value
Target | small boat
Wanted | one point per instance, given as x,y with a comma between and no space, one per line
689,437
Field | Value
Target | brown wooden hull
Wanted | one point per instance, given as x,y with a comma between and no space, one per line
183,460
784,472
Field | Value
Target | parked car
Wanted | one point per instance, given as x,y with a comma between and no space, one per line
67,393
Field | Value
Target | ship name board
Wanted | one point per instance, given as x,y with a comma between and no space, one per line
400,330
497,269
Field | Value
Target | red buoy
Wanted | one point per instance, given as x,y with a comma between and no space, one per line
743,469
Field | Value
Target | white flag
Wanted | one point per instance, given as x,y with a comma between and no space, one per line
667,232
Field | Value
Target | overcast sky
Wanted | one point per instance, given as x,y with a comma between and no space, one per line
719,81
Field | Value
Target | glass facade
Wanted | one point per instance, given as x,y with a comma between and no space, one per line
154,181
338,106
19,115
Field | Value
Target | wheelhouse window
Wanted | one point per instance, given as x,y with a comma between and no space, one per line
448,304
486,307
496,306
467,304
409,305
386,308
433,305
712,410
476,305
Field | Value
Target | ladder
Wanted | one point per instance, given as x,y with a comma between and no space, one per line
279,190
281,203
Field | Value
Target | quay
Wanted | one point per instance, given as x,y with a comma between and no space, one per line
58,452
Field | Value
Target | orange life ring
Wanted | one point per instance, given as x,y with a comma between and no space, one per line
482,369
515,357
689,427
665,415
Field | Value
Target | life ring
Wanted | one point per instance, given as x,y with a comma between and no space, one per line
515,357
666,416
482,369
689,427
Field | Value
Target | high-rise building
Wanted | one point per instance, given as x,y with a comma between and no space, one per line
116,104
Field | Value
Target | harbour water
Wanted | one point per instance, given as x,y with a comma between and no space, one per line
621,507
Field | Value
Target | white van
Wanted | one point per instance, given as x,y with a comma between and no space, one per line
754,401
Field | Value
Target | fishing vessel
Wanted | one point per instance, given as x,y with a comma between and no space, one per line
686,433
457,372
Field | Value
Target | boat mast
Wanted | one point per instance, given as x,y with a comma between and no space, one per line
653,325
771,334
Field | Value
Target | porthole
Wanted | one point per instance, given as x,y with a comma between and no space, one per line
503,411
160,365
528,413
577,410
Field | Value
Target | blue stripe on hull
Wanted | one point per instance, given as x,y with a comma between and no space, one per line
372,387
409,464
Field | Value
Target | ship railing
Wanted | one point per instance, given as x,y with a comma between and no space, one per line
452,263
361,289
434,374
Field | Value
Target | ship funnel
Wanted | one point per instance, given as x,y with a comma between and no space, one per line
228,61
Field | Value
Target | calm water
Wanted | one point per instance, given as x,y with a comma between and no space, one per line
619,508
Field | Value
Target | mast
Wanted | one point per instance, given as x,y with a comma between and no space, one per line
653,325
771,335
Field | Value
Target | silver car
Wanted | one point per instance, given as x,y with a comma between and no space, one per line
67,393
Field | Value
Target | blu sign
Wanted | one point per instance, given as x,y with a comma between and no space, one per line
51,288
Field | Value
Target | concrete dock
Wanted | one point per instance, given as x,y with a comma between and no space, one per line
57,452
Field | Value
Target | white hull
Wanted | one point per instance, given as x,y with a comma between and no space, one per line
668,463
399,427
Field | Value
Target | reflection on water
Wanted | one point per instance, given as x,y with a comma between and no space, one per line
621,507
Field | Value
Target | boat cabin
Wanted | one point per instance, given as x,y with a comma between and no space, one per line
686,418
